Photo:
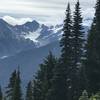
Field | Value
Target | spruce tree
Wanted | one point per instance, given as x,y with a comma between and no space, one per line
66,41
78,36
58,90
17,93
29,92
10,87
13,91
1,94
78,48
93,53
60,83
37,88
42,81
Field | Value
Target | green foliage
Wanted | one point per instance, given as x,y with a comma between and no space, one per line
95,97
66,78
66,41
93,53
78,35
1,94
84,96
13,91
78,47
10,87
66,81
58,89
42,81
17,94
29,92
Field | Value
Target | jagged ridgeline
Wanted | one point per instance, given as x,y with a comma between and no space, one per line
69,72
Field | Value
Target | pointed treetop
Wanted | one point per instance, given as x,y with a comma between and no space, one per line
18,70
78,1
78,4
68,7
50,52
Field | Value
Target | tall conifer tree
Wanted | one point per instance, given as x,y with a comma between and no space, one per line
78,35
10,87
13,91
43,78
59,88
17,93
78,47
29,92
93,53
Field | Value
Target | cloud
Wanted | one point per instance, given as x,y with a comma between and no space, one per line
16,21
48,11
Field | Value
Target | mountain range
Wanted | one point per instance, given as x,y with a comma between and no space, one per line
26,46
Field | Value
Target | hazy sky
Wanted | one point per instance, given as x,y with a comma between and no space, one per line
45,11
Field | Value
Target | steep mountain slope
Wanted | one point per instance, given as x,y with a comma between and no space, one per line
27,60
39,33
10,43
26,46
26,36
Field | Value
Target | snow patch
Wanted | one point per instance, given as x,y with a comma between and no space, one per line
33,35
3,57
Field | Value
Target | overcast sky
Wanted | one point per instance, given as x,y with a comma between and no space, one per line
45,11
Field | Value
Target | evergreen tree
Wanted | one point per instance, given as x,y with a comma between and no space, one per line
13,91
78,48
29,91
1,94
66,81
37,88
78,36
10,87
59,88
42,81
17,94
93,53
66,41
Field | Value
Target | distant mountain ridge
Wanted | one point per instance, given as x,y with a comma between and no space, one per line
10,43
32,32
27,45
14,39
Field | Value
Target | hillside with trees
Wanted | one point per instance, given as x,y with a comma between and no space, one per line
75,75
